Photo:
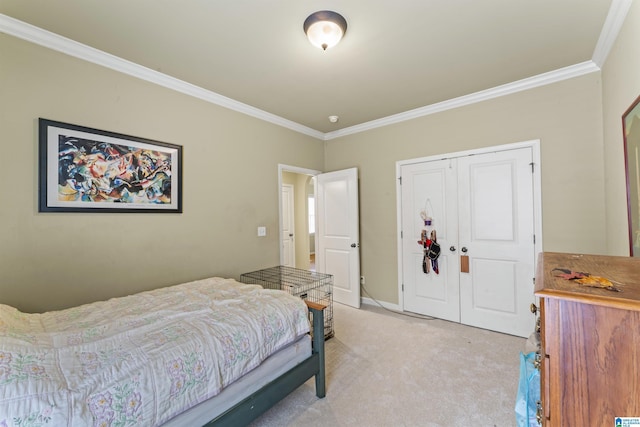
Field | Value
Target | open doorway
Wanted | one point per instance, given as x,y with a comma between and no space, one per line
336,232
297,217
311,220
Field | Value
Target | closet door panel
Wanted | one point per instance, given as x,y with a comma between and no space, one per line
495,208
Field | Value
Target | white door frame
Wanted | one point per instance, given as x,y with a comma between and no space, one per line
537,195
293,169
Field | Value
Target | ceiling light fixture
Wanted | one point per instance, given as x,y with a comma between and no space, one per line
325,28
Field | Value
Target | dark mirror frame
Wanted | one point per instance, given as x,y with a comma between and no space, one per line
631,134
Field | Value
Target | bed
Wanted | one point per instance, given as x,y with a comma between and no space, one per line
211,352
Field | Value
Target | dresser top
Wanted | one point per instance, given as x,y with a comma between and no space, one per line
558,276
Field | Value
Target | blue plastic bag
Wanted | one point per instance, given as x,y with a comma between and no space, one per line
528,392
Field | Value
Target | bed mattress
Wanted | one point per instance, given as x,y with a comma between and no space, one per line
140,359
276,365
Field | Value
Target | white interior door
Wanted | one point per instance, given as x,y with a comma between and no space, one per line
483,209
288,226
497,231
430,187
338,233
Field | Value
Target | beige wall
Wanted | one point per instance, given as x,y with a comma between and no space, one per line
56,260
621,86
566,117
50,261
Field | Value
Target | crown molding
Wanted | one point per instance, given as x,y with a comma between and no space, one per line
70,47
610,30
484,95
613,23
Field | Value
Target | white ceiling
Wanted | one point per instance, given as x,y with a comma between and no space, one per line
397,56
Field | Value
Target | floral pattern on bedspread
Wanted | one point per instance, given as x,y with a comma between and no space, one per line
141,359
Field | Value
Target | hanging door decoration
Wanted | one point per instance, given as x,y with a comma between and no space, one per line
429,241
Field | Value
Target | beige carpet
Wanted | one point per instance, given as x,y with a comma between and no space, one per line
385,369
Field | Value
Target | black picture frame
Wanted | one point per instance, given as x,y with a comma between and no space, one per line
82,169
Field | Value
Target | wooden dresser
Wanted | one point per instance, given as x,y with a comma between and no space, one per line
590,364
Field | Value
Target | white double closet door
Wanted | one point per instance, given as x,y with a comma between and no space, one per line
482,207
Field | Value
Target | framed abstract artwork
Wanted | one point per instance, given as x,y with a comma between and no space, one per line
89,170
631,132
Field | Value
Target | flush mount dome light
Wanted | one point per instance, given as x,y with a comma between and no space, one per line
325,28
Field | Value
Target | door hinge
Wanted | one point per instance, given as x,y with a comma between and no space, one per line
401,234
533,165
534,239
403,287
400,179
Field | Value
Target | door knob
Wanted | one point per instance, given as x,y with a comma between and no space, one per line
464,249
452,248
354,245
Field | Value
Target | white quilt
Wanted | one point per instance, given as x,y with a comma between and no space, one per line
141,359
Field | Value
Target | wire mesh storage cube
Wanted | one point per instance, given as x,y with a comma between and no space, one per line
308,285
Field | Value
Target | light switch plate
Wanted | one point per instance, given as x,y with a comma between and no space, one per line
262,231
